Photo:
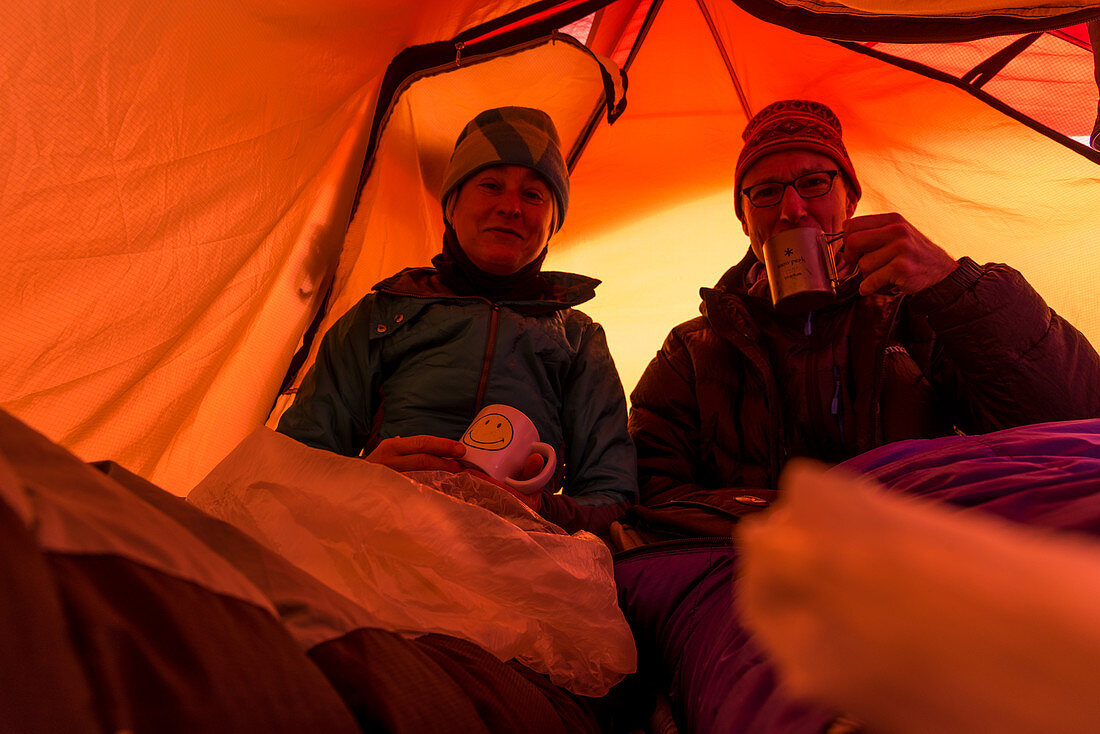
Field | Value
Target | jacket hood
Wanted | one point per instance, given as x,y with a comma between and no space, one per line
734,279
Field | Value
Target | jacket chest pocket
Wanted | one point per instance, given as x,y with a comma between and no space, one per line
539,342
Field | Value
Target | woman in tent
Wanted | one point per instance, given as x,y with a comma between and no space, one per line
401,375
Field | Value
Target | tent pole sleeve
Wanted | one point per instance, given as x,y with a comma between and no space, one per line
612,114
650,16
725,58
1094,39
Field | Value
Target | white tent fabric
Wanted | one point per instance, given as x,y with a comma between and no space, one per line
178,184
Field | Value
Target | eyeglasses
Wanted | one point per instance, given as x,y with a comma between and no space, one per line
808,185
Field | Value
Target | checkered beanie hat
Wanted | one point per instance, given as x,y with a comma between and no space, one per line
510,136
793,124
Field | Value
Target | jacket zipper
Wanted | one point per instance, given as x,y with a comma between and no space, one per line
487,359
813,392
771,391
880,374
837,408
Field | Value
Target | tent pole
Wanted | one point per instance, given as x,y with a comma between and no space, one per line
725,58
597,114
1094,39
650,16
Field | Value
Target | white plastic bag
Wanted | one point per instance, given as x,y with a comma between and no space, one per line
465,559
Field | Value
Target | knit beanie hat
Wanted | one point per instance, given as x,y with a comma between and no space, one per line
793,124
510,136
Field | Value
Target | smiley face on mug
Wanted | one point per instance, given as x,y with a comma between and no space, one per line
492,432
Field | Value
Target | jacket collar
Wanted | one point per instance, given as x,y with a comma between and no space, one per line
728,304
561,290
739,301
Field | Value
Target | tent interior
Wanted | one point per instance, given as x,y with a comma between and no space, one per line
192,193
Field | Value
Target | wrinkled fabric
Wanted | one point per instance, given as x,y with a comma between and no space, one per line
119,618
467,560
678,602
99,636
389,682
412,357
979,351
922,616
437,683
679,596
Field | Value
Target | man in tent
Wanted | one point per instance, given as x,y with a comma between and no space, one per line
915,345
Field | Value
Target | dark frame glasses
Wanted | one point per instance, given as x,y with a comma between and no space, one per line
809,186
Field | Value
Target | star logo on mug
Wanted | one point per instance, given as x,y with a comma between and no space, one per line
788,252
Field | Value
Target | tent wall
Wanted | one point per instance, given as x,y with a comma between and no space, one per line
176,185
179,184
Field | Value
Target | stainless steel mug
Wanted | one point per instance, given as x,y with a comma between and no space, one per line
801,270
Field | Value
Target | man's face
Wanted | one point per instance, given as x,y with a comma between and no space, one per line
826,212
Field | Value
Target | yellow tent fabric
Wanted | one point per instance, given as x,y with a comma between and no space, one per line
178,184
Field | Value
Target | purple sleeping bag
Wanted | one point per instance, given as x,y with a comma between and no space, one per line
678,595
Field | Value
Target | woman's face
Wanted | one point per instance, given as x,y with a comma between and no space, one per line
502,217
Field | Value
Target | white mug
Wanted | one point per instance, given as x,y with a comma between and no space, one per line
498,443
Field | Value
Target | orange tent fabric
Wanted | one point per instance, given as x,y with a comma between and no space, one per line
179,182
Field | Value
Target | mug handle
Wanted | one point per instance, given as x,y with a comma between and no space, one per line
830,259
530,486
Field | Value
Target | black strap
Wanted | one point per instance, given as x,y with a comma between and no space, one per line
992,66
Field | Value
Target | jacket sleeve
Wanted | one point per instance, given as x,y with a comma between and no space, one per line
600,473
680,492
335,403
1004,353
664,422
